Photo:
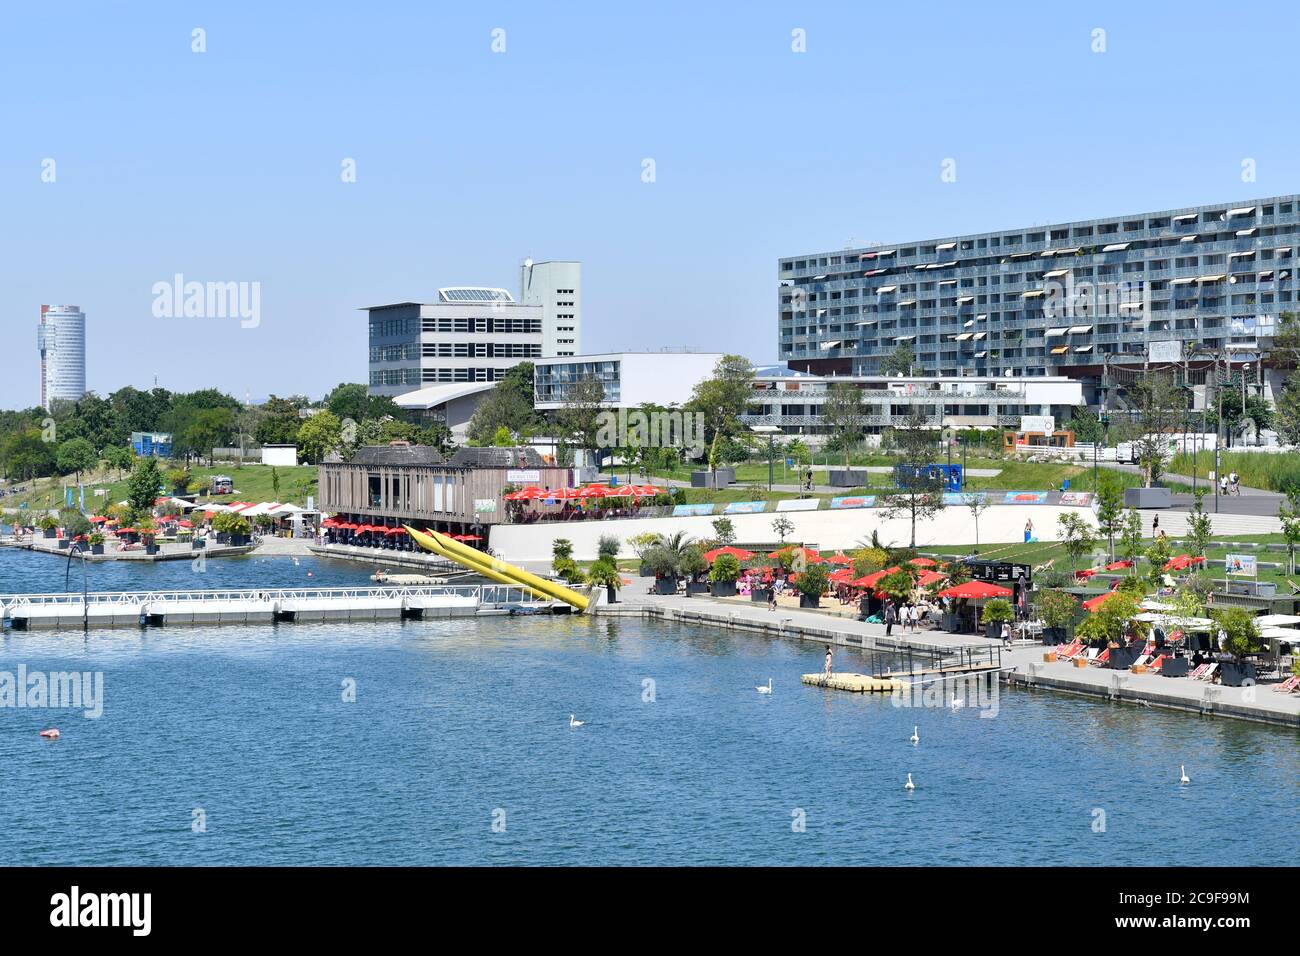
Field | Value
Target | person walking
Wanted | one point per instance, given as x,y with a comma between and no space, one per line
829,653
890,616
1029,530
1155,524
771,597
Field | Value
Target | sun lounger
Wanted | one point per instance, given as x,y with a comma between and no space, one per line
1208,673
1156,664
1142,660
1070,650
1198,671
1092,653
1102,658
1290,684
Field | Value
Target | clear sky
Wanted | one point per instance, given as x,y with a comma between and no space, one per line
226,165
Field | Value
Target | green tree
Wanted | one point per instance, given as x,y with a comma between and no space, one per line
75,456
1238,624
782,526
318,436
899,361
1288,512
1110,508
143,487
721,399
119,457
1076,536
844,414
1163,406
26,454
724,530
1086,425
1131,537
1200,530
918,495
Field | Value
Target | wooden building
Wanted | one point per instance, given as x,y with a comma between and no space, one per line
400,482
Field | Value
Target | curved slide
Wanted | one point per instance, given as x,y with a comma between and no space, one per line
495,570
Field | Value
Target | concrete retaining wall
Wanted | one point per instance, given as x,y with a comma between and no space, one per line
829,530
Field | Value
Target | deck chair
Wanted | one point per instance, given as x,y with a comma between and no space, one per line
1142,660
1288,685
1070,650
1092,653
1156,664
1101,658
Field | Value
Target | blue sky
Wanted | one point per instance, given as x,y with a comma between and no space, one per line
225,165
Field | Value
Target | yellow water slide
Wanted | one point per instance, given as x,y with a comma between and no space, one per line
495,570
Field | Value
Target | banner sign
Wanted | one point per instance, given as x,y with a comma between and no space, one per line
962,497
484,505
1241,564
745,507
1025,498
523,476
1045,424
1076,497
864,501
686,511
798,504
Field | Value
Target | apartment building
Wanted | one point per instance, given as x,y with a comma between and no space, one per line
1073,299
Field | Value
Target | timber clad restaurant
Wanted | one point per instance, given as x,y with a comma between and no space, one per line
383,487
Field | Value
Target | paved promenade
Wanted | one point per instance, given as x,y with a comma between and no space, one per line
1023,665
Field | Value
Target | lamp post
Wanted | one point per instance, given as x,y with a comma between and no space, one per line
770,431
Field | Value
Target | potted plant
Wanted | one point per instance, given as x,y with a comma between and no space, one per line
48,525
147,531
723,574
693,566
1057,609
996,613
1242,638
640,544
664,564
96,540
606,574
812,585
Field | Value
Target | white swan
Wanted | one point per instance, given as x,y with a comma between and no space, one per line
1183,778
575,723
767,689
957,703
915,738
909,785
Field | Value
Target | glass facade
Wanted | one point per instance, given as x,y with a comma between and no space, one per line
1061,299
551,381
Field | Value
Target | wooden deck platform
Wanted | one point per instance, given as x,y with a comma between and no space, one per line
855,683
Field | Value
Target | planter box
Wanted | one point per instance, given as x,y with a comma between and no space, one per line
761,594
1174,667
1054,635
198,545
1080,663
697,587
64,543
809,601
1232,674
724,588
644,572
151,549
49,532
665,586
1121,658
1139,668
96,549
993,631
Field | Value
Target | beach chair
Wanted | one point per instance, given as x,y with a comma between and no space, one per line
1209,672
1196,673
1101,659
1156,664
1070,651
1092,652
1288,685
1142,659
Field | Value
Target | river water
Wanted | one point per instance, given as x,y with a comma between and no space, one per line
448,742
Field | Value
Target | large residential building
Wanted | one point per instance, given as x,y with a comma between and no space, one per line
1079,299
557,288
792,401
469,335
630,379
61,342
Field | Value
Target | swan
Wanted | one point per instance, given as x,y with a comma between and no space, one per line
51,734
957,703
909,785
575,723
767,689
1183,778
915,738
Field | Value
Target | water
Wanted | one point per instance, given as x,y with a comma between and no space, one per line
455,720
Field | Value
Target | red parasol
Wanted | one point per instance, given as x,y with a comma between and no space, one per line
740,554
976,590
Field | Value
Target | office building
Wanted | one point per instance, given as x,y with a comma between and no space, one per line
470,334
1079,299
61,343
557,288
792,401
630,379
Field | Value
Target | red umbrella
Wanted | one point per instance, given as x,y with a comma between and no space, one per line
470,537
648,490
840,559
531,493
976,590
97,519
929,577
395,531
871,580
622,491
563,494
809,554
842,575
594,491
740,554
1119,565
1092,604
923,562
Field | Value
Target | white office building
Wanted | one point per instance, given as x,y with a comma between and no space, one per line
470,334
557,288
630,379
61,342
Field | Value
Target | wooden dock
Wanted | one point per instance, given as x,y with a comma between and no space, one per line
855,683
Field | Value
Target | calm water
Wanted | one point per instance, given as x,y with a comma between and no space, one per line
453,721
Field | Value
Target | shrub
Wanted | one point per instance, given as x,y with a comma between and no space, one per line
997,611
725,568
692,560
607,548
812,582
867,560
1056,608
1242,631
605,573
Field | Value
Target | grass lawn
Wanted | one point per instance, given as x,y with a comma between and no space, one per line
252,483
1273,472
